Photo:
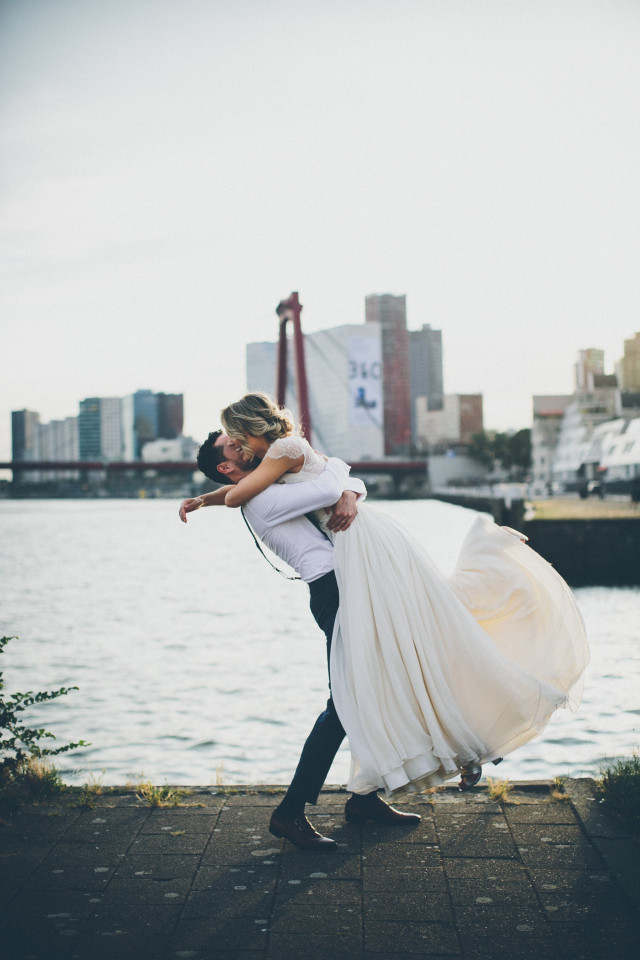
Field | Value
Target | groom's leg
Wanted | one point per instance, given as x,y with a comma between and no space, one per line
323,742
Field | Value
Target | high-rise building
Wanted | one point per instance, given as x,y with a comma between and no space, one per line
24,434
170,415
425,370
24,441
390,314
100,429
629,366
590,363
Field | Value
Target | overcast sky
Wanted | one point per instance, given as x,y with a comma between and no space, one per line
171,169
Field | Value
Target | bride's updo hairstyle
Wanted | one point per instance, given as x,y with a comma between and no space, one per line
259,416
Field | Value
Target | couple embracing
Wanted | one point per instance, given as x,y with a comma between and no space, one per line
430,677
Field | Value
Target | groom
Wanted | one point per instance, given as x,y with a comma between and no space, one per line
277,515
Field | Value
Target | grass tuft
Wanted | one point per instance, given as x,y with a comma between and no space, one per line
557,790
158,796
499,790
619,790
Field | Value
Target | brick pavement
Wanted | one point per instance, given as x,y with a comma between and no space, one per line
533,878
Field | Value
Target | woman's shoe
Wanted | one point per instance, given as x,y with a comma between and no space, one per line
470,776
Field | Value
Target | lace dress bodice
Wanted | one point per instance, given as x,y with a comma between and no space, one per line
295,446
314,464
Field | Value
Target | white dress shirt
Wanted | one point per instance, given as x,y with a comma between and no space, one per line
277,515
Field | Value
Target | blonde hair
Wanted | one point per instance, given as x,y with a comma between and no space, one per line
258,415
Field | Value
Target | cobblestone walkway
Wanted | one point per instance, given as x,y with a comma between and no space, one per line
533,878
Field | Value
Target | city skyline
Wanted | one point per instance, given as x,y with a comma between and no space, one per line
174,170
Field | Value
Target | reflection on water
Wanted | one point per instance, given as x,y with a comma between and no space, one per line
193,657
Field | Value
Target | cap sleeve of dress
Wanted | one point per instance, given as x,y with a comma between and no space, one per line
287,447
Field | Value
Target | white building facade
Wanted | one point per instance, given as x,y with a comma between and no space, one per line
344,376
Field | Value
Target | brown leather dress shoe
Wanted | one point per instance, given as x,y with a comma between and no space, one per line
359,808
300,833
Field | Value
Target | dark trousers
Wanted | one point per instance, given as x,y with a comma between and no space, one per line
324,740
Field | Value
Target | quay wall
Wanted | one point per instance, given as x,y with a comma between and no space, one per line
603,553
586,552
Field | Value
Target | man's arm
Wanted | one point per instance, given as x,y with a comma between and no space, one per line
284,501
213,499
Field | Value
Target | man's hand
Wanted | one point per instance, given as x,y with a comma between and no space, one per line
188,506
344,512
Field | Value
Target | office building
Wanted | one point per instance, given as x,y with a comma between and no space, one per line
548,412
389,313
629,366
590,363
100,429
170,415
460,417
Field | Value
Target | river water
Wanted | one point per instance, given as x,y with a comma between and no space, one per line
197,663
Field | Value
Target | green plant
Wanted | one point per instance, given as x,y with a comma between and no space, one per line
158,796
619,790
557,790
24,764
499,790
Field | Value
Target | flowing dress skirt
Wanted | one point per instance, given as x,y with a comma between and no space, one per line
429,674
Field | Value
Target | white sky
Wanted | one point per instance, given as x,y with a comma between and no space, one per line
171,169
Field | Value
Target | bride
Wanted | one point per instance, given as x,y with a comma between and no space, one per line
431,676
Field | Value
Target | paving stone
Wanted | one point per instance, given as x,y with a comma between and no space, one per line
52,904
469,868
423,832
308,890
494,948
417,938
157,867
431,904
497,891
335,866
299,946
529,833
333,920
595,941
218,934
576,856
163,822
549,812
219,852
169,843
210,902
247,876
501,920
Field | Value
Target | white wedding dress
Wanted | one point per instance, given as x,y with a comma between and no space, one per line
428,673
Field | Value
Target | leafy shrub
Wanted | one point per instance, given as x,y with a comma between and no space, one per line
25,768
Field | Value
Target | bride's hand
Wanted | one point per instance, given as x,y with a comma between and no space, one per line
344,512
188,506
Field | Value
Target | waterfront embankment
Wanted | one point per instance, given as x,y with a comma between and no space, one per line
589,542
535,874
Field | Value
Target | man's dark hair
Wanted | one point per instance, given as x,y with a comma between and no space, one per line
210,456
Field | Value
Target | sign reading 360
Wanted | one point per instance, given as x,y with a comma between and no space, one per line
365,381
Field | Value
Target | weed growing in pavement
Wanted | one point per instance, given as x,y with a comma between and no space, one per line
618,788
499,790
158,796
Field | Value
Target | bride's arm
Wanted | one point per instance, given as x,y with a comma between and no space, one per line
262,477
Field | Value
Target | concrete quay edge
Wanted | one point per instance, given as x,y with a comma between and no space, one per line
529,877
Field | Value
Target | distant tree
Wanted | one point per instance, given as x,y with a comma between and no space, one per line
511,451
481,448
